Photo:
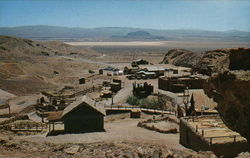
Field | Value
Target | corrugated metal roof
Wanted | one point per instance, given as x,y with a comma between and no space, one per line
153,68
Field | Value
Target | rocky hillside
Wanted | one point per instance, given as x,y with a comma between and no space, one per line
181,57
16,47
231,90
213,61
28,66
239,59
221,60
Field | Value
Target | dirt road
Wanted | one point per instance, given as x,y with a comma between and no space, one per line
118,130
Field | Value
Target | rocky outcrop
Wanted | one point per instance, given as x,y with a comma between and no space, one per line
210,62
239,59
181,57
231,90
221,60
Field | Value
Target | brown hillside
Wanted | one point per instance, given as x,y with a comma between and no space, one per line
20,47
181,57
28,66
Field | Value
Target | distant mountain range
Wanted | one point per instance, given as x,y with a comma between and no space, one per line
139,35
120,34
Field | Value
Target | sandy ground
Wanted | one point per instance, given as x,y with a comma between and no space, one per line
122,129
5,96
18,103
133,43
164,125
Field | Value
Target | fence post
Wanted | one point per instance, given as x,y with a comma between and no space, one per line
196,128
211,140
234,138
49,126
202,133
9,111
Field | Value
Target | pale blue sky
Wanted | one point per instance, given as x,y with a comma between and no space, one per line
218,15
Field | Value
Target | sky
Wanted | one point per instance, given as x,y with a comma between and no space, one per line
218,15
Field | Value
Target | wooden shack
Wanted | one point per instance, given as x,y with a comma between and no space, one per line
115,87
100,71
159,71
82,81
130,70
83,115
179,84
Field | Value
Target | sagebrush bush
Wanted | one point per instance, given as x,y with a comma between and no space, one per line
144,103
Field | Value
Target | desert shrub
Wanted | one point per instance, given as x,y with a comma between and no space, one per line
132,100
144,103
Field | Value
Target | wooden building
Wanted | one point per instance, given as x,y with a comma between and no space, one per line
179,84
115,87
159,71
82,81
147,75
130,70
83,115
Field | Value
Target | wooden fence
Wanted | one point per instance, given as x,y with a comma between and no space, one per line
88,90
211,139
122,107
28,127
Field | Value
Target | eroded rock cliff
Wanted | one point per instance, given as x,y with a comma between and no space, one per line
229,83
231,89
213,61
